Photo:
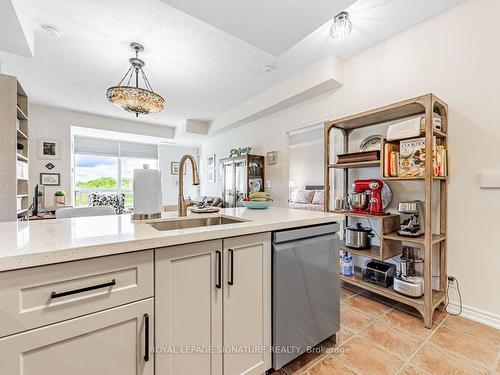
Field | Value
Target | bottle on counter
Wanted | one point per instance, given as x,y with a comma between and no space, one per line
346,265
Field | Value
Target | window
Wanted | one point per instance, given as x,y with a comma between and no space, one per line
103,165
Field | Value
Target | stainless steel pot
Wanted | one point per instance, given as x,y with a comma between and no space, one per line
358,237
359,201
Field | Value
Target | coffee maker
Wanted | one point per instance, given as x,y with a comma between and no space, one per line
410,281
412,222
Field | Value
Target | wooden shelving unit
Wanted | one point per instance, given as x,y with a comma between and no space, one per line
390,241
14,129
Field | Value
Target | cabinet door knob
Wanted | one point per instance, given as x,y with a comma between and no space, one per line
230,280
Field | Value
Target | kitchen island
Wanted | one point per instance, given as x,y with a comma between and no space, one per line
114,296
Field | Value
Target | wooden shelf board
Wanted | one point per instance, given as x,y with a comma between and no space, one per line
21,135
22,211
362,164
22,158
22,195
365,216
436,238
20,114
416,178
374,252
22,179
439,133
357,280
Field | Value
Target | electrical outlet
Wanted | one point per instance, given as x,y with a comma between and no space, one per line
268,184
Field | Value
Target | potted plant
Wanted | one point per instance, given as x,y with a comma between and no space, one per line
59,197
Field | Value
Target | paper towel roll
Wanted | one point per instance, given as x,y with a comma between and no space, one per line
147,192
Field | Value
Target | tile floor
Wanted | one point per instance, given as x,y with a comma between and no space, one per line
379,336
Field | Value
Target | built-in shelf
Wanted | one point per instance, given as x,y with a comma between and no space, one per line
437,296
365,216
413,178
361,164
22,158
20,114
373,252
436,238
21,135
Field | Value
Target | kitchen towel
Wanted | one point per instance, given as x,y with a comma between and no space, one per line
147,191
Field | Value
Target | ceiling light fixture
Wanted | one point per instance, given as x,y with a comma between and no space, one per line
268,68
341,27
51,30
133,98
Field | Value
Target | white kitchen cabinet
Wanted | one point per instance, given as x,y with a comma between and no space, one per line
110,342
247,304
188,304
200,303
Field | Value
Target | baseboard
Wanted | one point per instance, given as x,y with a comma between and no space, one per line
478,315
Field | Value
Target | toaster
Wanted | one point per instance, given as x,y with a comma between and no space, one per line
380,273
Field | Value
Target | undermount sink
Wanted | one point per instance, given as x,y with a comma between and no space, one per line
193,223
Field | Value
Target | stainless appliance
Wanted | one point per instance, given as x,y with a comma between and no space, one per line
358,237
380,273
306,295
410,281
412,218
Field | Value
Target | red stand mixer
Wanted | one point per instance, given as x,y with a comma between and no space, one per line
367,197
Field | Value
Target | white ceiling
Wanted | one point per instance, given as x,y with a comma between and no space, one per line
201,70
273,26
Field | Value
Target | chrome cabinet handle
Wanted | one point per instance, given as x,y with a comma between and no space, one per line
230,280
146,337
218,255
81,290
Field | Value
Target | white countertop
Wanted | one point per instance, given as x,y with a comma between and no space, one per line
30,244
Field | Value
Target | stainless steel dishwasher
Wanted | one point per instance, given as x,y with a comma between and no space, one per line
306,295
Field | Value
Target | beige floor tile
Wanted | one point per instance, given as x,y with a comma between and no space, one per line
306,360
465,345
412,370
396,341
329,366
475,329
353,319
365,358
379,298
437,361
346,293
342,336
408,322
498,367
367,305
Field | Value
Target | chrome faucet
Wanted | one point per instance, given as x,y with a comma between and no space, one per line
181,203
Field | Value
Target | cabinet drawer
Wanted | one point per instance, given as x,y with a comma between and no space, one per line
39,296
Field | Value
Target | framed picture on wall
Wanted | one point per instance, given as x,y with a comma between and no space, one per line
174,168
272,157
50,179
49,148
211,161
211,175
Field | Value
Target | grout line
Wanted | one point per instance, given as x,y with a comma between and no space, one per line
425,341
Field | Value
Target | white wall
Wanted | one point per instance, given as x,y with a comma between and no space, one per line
55,123
166,155
455,56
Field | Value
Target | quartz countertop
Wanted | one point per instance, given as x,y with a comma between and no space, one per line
36,243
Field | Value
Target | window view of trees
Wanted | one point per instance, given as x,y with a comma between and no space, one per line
100,173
